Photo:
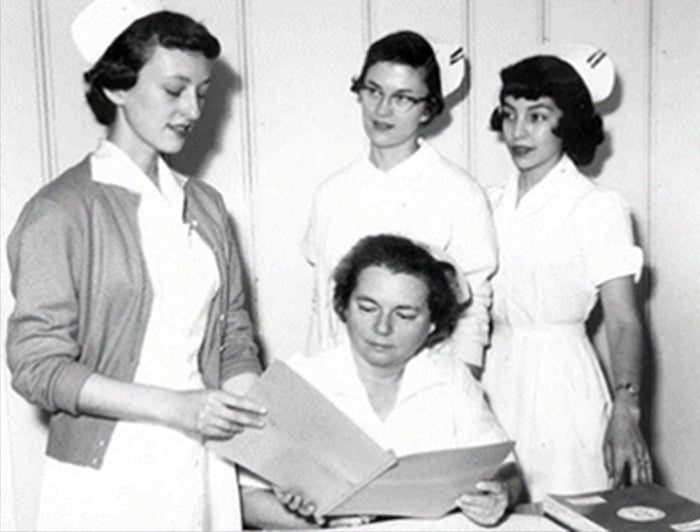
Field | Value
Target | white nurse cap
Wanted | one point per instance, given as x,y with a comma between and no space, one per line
452,62
593,65
102,21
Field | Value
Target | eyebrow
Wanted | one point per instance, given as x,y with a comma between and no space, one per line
374,84
367,299
180,77
532,107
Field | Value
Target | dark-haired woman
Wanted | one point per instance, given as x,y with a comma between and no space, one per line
564,243
398,303
129,326
404,187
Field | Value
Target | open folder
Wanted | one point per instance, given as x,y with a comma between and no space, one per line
307,445
312,448
426,485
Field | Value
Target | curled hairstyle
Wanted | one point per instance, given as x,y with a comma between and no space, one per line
411,49
580,127
119,66
401,255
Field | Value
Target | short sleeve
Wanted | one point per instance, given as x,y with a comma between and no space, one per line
248,479
603,227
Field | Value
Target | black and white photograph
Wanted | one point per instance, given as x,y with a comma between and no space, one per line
356,264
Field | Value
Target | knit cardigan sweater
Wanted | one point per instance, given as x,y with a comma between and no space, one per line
83,300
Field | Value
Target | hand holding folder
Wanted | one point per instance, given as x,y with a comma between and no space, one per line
310,447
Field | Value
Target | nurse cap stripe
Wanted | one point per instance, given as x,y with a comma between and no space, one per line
596,58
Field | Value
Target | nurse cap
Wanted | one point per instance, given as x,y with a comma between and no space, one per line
592,64
452,62
102,21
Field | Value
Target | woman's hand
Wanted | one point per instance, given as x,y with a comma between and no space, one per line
348,521
487,507
294,502
624,445
215,413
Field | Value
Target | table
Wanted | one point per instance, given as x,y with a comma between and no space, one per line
459,522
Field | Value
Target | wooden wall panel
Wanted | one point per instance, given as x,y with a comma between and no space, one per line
622,29
74,131
25,163
305,124
499,31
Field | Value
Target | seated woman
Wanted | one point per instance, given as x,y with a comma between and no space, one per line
397,301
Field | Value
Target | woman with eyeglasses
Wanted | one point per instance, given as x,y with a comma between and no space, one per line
403,187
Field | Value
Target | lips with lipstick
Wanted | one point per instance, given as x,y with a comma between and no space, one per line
379,346
521,151
380,125
180,129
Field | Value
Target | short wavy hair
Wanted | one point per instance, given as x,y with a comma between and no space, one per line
580,127
401,255
119,66
411,49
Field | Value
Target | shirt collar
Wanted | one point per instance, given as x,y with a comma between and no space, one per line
112,166
419,374
555,184
412,166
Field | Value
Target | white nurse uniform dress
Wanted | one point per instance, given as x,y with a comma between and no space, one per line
565,238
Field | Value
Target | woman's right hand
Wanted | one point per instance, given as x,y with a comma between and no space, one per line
215,413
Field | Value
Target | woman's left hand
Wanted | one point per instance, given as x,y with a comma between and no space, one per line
294,503
488,506
625,445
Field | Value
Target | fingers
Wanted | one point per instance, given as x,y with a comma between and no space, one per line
620,458
236,402
294,502
220,429
349,522
641,470
235,410
485,508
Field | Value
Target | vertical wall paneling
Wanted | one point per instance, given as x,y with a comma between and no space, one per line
247,137
545,20
675,238
302,56
501,30
74,130
42,68
27,160
445,21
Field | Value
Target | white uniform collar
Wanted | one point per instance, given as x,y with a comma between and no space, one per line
419,374
556,184
412,166
111,166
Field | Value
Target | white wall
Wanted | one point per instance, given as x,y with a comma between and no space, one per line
674,240
280,118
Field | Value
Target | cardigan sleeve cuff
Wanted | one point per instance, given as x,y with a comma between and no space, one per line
67,385
249,364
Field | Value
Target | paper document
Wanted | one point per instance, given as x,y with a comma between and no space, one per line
426,485
307,445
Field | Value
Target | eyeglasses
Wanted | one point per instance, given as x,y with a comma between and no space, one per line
400,103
